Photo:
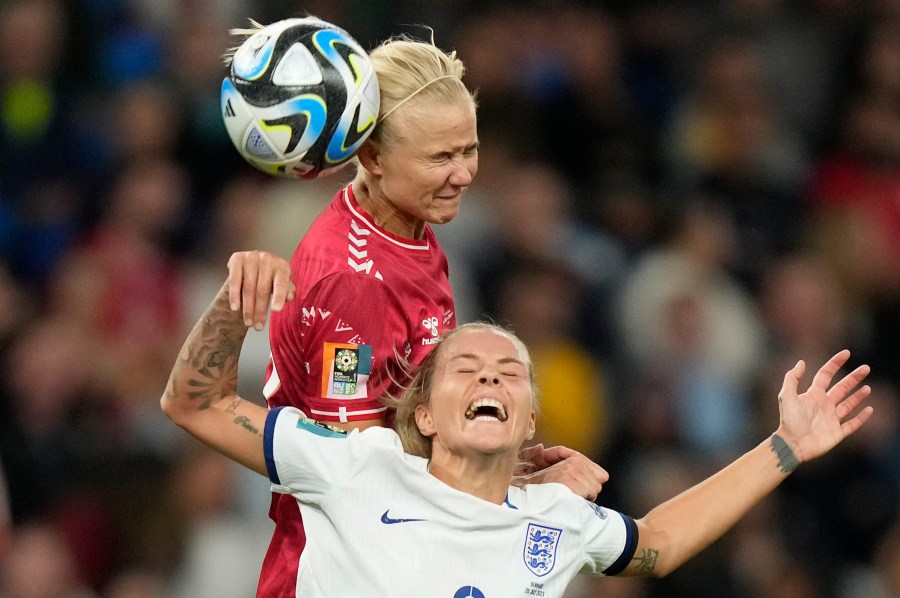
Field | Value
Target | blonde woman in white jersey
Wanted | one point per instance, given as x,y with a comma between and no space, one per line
429,510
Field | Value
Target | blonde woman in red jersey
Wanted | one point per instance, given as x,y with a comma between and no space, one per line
372,280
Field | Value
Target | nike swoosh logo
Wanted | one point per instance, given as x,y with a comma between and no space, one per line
385,518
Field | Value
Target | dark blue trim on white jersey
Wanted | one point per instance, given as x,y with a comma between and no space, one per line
631,542
268,448
509,504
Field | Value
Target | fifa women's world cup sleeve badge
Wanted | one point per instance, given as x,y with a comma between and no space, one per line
345,370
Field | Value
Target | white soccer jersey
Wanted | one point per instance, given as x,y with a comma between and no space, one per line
379,524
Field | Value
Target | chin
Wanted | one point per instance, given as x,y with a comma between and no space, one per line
498,447
444,217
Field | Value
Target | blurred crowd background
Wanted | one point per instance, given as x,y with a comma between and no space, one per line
676,201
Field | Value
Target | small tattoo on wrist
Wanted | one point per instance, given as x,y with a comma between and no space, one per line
787,460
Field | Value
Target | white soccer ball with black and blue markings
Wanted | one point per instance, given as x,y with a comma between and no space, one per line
300,99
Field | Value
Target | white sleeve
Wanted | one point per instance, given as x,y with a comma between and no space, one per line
305,457
610,539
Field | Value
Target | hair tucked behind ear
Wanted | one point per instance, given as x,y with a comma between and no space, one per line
417,392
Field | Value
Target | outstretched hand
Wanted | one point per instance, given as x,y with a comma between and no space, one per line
564,466
254,279
814,422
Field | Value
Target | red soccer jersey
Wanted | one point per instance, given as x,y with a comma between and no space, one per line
364,298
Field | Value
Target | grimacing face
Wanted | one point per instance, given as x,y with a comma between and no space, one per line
430,160
481,398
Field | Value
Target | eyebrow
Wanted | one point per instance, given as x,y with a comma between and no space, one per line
503,360
456,150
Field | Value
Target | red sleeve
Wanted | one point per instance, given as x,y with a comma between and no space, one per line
332,348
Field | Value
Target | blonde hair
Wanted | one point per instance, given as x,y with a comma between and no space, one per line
408,68
242,33
418,391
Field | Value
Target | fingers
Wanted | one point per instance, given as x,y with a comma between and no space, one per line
824,377
282,289
556,454
581,475
846,407
792,380
254,279
261,297
587,476
235,280
813,422
248,290
532,453
852,425
565,466
828,371
843,388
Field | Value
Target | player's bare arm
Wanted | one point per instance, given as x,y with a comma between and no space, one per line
201,394
812,423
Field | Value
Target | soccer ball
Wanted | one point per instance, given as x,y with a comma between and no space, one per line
300,99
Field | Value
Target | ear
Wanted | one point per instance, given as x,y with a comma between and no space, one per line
531,425
368,156
424,421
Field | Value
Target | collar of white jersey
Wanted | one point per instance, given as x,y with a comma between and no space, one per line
353,206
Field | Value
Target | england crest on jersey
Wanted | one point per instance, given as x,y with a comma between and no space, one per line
540,548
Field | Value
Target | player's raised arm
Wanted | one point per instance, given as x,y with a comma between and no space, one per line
201,395
812,423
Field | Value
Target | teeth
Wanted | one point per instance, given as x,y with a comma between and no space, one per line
493,403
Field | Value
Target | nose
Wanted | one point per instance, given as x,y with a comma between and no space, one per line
462,173
492,379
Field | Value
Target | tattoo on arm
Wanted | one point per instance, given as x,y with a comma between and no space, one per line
206,368
787,460
245,423
646,560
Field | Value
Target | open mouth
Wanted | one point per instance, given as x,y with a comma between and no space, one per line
485,409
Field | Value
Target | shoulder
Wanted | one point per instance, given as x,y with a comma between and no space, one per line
361,293
549,492
330,226
380,436
382,451
555,498
284,420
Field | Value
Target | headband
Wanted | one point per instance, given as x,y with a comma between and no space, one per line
410,96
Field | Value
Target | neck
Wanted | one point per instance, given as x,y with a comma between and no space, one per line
487,477
384,213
